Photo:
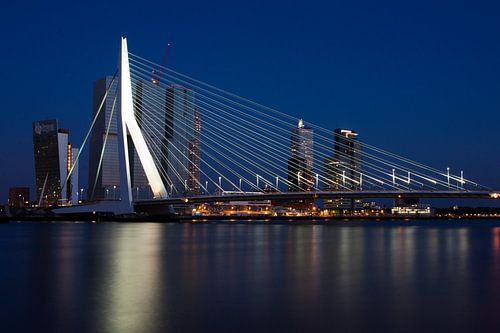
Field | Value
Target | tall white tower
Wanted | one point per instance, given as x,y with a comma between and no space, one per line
127,122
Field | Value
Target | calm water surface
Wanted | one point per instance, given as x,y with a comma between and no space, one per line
150,277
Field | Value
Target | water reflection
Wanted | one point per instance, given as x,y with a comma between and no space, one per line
495,271
221,277
65,273
132,282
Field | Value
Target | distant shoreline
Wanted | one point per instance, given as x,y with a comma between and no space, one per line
291,220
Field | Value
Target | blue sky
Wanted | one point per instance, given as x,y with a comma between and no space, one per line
419,78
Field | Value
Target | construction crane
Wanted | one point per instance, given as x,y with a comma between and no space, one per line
156,74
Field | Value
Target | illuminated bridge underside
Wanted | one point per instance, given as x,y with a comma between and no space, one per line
320,195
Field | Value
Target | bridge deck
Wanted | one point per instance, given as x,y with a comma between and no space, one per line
322,195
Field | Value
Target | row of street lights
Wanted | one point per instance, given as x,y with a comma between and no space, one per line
259,179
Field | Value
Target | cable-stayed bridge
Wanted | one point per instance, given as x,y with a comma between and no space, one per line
195,143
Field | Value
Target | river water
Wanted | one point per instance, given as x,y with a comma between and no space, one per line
212,277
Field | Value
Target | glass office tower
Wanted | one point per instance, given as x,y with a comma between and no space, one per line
342,171
171,125
53,155
301,162
104,180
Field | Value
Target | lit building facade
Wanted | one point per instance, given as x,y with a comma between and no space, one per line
333,174
412,210
19,196
172,126
53,155
301,162
183,140
342,171
194,164
347,151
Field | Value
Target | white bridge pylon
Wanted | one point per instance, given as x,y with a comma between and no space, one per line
127,124
127,121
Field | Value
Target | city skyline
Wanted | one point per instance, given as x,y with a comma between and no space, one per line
177,128
250,166
450,93
167,120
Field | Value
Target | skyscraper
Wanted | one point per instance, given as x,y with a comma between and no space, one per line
172,126
301,162
104,176
194,156
347,152
53,161
342,171
182,133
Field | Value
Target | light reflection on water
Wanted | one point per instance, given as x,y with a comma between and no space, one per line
114,277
